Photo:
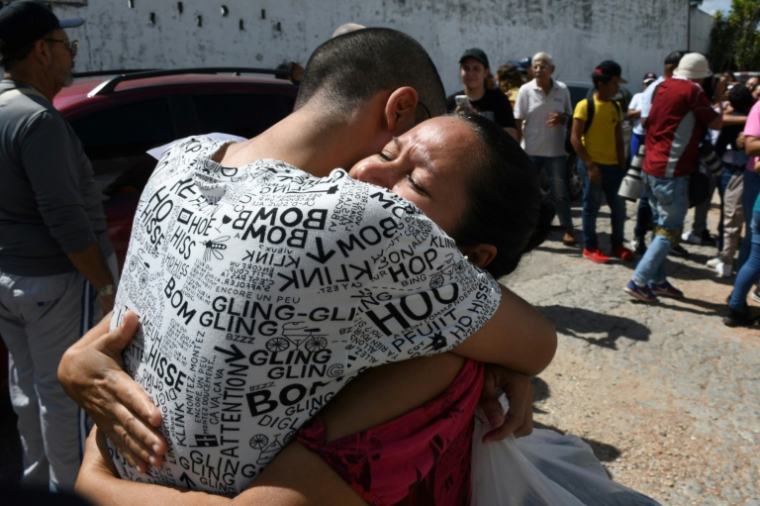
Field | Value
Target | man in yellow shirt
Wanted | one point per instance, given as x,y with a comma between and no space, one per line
597,138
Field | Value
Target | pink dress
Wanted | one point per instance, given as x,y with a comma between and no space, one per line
420,458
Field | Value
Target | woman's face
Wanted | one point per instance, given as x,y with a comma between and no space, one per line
428,166
473,73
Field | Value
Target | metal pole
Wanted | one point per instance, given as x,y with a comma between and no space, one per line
688,26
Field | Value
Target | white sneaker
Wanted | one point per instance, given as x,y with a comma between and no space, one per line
691,238
724,270
713,262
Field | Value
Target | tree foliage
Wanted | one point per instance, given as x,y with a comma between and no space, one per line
734,39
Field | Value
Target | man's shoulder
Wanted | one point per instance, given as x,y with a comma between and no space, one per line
559,85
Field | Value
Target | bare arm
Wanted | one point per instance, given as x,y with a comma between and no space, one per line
92,265
296,477
731,119
619,145
518,123
517,337
633,114
752,145
91,373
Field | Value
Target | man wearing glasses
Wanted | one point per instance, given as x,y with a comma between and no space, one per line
56,260
542,112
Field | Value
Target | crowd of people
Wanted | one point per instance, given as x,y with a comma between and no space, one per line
394,297
697,143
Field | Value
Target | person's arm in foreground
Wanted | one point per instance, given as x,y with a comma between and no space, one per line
92,374
516,337
296,477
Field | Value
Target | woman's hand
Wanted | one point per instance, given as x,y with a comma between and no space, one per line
519,391
91,372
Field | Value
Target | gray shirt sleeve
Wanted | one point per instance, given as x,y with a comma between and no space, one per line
53,165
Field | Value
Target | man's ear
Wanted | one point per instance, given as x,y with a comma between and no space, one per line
401,109
42,51
481,255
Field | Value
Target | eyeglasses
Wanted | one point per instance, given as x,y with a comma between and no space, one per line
540,66
71,45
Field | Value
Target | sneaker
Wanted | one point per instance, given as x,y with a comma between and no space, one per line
678,251
724,270
738,319
643,293
756,294
665,289
595,255
691,238
639,245
622,253
713,262
568,239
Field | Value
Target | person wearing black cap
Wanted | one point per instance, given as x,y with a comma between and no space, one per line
56,262
481,95
597,138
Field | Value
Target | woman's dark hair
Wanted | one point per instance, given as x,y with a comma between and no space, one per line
506,206
741,98
509,77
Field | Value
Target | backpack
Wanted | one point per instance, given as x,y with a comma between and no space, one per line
592,108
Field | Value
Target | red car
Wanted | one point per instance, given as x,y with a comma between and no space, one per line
119,116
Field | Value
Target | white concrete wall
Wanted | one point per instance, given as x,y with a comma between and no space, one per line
701,24
579,33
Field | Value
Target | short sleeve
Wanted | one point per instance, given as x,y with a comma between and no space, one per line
752,127
568,105
424,297
702,108
581,110
635,104
521,103
504,114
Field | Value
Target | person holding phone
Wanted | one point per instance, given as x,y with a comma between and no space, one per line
479,94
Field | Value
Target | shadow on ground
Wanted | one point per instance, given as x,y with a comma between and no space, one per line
578,323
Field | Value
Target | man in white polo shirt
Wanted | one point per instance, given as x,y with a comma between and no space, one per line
542,111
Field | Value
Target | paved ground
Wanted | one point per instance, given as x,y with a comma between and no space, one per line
668,397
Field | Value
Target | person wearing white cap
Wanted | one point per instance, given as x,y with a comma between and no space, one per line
57,268
680,111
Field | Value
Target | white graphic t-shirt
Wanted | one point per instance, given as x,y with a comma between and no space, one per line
261,290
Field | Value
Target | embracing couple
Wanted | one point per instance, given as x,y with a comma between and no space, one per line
266,280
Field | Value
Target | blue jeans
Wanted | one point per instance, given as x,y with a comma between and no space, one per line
750,271
556,173
751,191
669,198
612,176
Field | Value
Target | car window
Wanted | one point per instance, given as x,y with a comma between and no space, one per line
238,114
116,141
577,93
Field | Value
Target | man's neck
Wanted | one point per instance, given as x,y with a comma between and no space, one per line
309,141
545,85
601,98
475,93
36,80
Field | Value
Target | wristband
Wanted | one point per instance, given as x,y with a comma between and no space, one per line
107,290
